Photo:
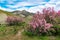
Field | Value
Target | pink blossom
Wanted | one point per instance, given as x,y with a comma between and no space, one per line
13,19
58,13
40,21
48,25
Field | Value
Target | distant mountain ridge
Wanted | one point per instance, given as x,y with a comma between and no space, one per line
23,12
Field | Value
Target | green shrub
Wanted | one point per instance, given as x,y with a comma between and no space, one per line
55,30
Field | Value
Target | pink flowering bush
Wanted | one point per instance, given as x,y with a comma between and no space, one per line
39,21
58,13
50,15
38,24
13,20
45,23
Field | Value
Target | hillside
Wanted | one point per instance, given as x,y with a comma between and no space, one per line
5,12
22,13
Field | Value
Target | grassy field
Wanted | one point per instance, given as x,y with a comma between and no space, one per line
24,37
41,38
15,33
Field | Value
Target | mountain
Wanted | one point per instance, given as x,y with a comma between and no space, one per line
22,13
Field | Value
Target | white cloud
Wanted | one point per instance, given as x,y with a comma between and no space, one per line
54,0
57,6
32,9
23,8
50,5
6,9
20,4
8,1
24,3
35,1
36,8
39,3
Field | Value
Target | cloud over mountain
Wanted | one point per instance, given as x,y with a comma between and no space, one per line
28,5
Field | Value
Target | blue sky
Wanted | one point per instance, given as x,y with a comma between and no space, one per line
28,5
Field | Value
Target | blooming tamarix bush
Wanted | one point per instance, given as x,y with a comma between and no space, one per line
13,20
41,23
58,13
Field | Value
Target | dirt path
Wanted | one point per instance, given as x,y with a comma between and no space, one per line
19,32
18,35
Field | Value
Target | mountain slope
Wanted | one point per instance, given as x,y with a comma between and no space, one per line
23,12
5,12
